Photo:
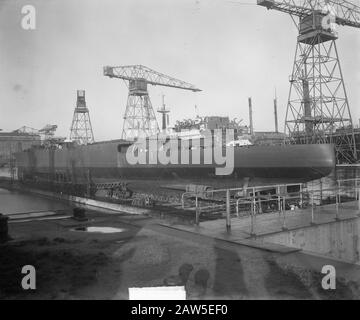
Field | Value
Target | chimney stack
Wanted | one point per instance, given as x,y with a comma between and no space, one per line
276,114
251,117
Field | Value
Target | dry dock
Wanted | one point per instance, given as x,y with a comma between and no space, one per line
75,262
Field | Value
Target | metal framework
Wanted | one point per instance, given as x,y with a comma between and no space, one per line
48,132
27,130
347,13
139,117
81,129
318,108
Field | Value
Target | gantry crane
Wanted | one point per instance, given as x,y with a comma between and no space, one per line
139,118
48,131
318,108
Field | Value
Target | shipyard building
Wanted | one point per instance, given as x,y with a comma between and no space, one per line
11,142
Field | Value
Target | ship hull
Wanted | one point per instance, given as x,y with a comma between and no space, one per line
107,161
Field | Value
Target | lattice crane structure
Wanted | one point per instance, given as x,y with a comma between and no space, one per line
81,129
318,108
139,117
48,131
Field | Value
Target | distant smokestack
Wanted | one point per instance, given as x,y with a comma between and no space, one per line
251,118
165,116
276,115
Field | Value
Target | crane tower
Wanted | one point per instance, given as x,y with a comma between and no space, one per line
139,117
81,129
318,107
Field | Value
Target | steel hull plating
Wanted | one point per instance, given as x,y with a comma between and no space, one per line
105,160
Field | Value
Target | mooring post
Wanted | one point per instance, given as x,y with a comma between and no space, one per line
321,191
228,218
284,213
279,200
252,217
312,208
237,207
197,213
337,203
259,202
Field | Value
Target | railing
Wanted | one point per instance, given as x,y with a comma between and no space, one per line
255,202
209,194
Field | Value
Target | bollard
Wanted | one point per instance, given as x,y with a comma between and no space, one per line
4,230
279,200
338,192
197,212
228,218
284,214
252,218
259,203
237,208
312,208
337,205
321,191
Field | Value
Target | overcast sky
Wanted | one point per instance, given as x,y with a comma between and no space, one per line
231,51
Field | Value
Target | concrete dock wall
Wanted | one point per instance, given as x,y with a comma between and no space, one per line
338,239
83,201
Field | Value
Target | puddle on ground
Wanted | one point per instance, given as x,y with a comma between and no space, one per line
99,229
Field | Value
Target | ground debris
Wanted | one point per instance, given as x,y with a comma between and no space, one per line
58,270
311,282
